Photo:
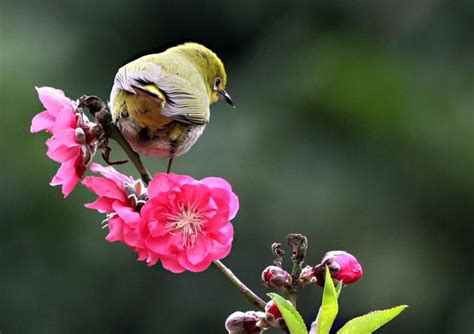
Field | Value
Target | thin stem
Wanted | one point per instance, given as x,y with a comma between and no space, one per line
115,134
170,162
248,294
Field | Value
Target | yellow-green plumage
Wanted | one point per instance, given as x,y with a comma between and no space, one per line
160,102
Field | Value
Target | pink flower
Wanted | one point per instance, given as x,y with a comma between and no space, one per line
121,198
186,222
72,142
342,265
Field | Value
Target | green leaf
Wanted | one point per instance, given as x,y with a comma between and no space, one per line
339,288
293,319
329,308
370,322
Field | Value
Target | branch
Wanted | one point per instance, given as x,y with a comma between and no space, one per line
248,294
115,134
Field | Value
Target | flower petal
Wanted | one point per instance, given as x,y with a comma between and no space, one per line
127,213
102,204
110,173
115,226
171,263
53,99
198,252
67,177
104,187
42,122
162,182
61,153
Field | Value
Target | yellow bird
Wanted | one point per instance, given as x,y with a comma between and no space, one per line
160,102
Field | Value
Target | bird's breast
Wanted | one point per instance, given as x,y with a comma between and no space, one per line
171,140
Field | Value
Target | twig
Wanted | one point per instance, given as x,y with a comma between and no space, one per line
98,108
249,294
115,134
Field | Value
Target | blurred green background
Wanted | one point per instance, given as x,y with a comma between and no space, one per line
354,126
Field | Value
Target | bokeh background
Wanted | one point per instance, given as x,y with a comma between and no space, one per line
354,126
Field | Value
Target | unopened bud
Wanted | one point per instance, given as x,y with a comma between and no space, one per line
276,277
273,315
307,275
342,266
243,323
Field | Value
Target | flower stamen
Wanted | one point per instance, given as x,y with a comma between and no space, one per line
188,222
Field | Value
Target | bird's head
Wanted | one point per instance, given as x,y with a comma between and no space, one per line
212,69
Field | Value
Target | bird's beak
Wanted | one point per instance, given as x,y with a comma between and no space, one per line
227,97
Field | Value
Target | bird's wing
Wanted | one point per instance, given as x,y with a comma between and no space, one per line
182,101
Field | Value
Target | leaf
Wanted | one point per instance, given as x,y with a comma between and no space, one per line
370,322
339,288
293,319
329,307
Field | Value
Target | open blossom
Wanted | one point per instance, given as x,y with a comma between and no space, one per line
121,198
72,143
186,222
342,266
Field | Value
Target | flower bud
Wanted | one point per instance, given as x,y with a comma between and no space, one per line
273,315
342,266
307,275
275,277
242,323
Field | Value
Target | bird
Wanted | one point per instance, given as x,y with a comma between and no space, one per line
161,102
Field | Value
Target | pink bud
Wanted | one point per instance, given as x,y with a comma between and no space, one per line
242,323
273,314
342,266
307,275
275,277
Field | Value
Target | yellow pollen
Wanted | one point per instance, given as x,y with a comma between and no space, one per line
188,222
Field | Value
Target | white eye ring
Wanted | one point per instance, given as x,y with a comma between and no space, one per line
217,84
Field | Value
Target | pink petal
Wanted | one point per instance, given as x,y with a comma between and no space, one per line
104,187
157,229
198,267
172,264
110,173
131,237
128,214
159,245
224,235
61,153
219,220
66,137
219,251
67,177
115,226
151,259
229,199
217,182
198,252
102,204
53,99
196,194
42,122
164,182
66,119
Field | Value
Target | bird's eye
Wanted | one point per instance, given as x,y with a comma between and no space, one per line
217,83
